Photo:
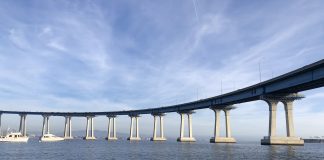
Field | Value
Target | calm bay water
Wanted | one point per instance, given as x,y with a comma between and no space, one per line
100,149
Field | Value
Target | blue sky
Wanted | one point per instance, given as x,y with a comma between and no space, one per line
119,55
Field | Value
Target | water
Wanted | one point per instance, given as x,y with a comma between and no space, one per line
100,149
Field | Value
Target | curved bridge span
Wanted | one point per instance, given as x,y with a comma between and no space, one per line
302,79
283,89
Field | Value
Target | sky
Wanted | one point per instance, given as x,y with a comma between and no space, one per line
110,55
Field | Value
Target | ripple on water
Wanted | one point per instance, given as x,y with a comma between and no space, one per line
100,149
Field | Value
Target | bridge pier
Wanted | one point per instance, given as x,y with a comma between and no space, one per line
22,125
272,138
217,138
111,126
155,137
91,127
68,128
182,138
45,129
131,137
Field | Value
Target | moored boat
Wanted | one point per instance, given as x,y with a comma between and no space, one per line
50,138
14,137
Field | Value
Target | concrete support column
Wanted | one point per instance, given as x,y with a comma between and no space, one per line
272,138
131,127
217,137
44,125
131,137
21,123
137,129
161,128
47,126
182,125
154,128
91,127
114,123
217,123
25,126
190,137
190,125
70,127
289,118
272,117
66,127
87,128
228,124
111,126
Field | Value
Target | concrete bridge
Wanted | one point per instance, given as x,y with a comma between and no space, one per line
283,89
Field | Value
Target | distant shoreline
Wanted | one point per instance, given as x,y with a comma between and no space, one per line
313,140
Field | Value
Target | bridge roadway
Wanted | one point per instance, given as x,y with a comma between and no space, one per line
305,78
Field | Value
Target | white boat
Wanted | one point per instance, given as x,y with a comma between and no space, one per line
14,137
50,138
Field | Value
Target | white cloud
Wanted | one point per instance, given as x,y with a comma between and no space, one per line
56,45
17,37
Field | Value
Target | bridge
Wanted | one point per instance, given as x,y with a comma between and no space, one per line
284,88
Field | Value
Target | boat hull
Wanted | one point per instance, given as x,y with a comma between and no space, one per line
21,139
51,139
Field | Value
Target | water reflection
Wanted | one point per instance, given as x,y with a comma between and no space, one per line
291,151
222,150
281,151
